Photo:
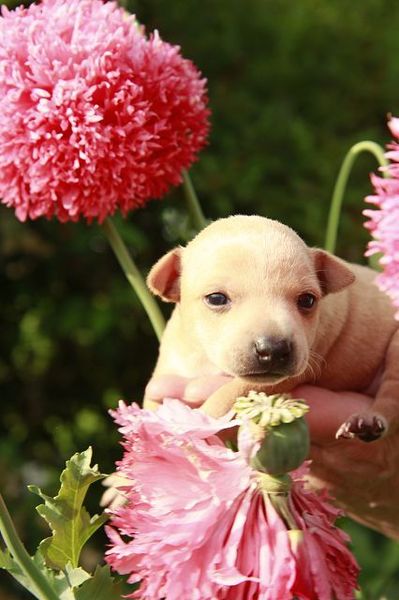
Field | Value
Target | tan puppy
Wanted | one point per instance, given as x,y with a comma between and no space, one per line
253,301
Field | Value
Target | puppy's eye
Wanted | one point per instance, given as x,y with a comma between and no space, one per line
306,301
217,299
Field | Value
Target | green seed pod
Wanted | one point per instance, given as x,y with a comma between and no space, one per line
283,449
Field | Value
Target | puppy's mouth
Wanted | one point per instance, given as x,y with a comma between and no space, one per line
269,377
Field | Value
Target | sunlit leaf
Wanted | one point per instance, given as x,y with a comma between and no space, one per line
9,564
101,587
69,521
61,582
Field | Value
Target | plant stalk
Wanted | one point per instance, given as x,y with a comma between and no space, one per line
194,208
134,277
10,536
340,186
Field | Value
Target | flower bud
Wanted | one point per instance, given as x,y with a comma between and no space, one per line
283,449
279,424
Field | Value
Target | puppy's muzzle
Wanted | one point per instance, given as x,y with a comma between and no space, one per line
273,355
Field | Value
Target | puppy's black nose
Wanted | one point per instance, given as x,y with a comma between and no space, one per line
274,354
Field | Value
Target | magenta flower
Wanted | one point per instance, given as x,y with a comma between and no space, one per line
384,222
199,525
94,117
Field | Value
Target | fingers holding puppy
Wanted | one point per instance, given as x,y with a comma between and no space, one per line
192,391
329,410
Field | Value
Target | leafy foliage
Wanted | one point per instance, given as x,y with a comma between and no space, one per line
59,582
57,557
69,520
101,586
9,564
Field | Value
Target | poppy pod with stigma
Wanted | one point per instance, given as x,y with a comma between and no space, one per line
275,423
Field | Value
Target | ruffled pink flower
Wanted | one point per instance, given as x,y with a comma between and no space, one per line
196,525
384,222
94,117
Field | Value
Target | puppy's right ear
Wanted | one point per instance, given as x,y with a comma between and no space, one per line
164,277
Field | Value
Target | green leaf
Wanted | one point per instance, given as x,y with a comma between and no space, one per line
69,521
8,564
101,586
62,583
57,556
65,583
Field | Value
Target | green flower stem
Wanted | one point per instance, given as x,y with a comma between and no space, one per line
17,549
193,205
134,277
280,503
340,187
277,488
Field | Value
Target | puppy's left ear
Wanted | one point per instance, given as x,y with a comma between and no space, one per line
333,273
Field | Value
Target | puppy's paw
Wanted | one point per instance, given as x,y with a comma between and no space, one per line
366,427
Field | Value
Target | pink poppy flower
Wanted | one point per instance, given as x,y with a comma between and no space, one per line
201,524
94,117
384,222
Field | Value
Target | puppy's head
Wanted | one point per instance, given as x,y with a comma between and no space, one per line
249,292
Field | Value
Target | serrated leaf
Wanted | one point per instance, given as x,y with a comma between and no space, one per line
69,521
76,576
101,587
64,583
8,564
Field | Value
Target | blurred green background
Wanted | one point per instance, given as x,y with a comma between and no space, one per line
292,85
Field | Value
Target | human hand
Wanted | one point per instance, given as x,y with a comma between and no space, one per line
192,392
364,478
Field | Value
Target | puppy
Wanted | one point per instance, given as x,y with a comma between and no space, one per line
254,302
